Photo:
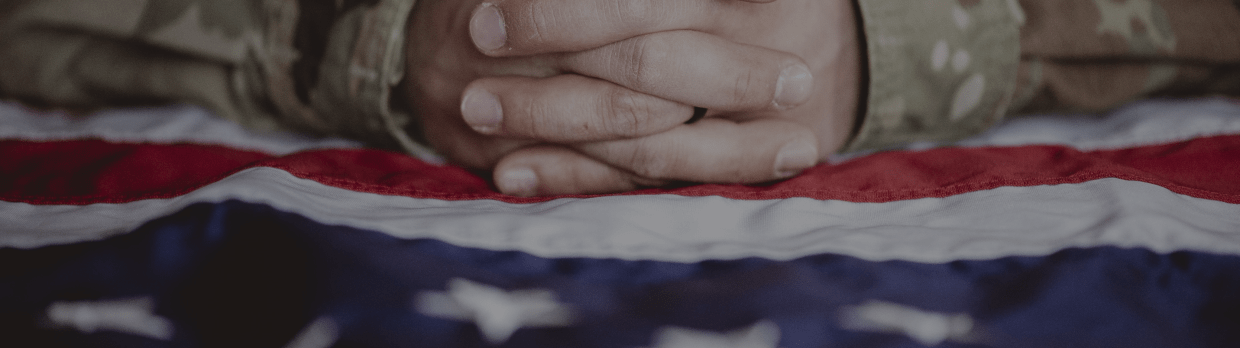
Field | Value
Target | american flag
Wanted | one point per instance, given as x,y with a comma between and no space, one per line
168,227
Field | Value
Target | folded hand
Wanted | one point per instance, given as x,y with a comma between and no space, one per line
589,96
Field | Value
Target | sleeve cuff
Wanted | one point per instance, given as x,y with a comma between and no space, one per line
363,62
939,70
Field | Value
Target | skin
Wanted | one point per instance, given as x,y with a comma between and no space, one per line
594,94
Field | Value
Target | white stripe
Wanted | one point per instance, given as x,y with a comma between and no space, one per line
1145,123
160,125
987,224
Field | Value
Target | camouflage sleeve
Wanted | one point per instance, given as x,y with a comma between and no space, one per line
325,67
941,70
1092,55
88,53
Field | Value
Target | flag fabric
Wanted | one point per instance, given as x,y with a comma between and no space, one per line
167,227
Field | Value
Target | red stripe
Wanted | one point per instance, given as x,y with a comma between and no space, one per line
94,171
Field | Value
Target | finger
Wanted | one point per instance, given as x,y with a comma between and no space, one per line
700,69
460,145
526,27
553,170
566,108
715,151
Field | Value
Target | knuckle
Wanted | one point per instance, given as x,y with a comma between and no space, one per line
645,165
653,162
744,86
535,119
535,22
639,58
634,14
626,113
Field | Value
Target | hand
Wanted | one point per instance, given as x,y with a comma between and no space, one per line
586,74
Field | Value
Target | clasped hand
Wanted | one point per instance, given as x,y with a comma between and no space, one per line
592,96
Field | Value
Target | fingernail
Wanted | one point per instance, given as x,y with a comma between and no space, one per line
794,86
482,111
518,182
794,158
487,28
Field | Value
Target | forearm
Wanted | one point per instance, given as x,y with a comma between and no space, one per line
320,67
68,69
941,71
97,53
1094,55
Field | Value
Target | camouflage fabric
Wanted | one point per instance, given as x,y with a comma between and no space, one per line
323,67
941,70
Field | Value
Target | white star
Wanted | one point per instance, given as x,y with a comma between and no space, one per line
320,333
924,327
763,334
131,316
497,313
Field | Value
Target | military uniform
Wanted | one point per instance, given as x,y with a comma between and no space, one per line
321,67
939,70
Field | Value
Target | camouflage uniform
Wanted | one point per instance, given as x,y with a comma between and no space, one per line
938,69
322,67
942,70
